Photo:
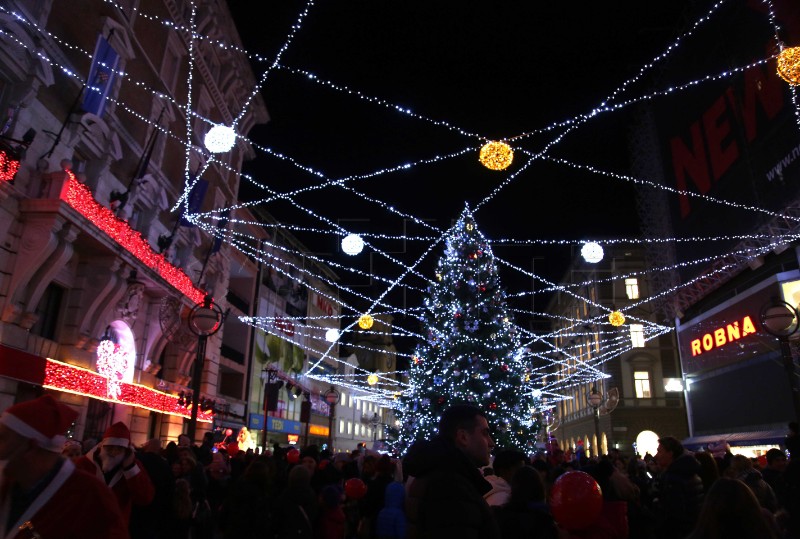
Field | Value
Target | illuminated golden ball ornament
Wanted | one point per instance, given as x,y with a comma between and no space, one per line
496,155
372,379
789,65
365,322
616,318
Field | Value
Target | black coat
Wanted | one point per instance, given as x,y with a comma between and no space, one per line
679,498
445,498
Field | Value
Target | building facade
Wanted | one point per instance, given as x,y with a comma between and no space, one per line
626,365
96,119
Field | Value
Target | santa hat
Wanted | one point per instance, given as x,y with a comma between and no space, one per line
44,420
117,434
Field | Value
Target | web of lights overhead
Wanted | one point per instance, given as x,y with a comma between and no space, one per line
575,363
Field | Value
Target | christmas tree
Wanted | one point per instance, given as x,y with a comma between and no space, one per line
472,353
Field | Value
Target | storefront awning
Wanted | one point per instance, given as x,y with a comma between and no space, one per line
755,437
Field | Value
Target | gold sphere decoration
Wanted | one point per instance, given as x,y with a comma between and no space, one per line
365,322
372,379
616,318
789,65
496,155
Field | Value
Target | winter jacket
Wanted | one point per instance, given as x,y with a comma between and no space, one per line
444,495
679,498
391,521
531,522
500,493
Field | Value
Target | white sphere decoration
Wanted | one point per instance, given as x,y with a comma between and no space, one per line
220,139
332,335
592,252
352,244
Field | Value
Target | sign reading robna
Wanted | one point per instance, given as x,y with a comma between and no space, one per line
723,335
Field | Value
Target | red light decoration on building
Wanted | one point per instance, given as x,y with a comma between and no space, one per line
80,198
79,381
8,167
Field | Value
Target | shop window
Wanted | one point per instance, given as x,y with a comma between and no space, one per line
641,382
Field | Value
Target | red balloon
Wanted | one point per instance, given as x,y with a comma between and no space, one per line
355,488
762,461
293,456
576,501
232,449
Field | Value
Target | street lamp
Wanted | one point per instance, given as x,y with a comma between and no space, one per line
266,378
375,420
780,320
332,398
205,319
595,399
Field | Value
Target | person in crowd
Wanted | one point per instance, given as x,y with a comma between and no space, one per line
254,493
741,468
505,465
72,449
679,490
526,514
391,521
445,496
43,494
114,461
773,474
184,441
730,509
331,523
182,512
150,521
204,453
374,500
709,472
297,506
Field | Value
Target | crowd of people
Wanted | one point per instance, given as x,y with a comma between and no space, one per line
455,485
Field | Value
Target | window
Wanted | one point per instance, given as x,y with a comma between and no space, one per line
47,312
641,380
632,288
637,335
349,427
344,398
341,426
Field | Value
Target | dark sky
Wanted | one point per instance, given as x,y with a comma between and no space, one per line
496,70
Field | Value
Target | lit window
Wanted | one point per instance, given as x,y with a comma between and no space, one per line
637,335
641,380
341,426
349,427
632,288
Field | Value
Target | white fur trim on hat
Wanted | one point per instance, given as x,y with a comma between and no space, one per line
23,429
122,442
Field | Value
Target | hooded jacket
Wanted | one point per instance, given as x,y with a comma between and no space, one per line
444,496
391,521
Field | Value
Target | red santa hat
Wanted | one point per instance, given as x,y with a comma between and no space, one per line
44,420
117,434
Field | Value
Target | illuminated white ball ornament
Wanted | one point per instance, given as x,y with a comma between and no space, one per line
332,335
352,244
220,139
592,252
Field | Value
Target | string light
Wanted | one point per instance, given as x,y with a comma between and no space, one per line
8,167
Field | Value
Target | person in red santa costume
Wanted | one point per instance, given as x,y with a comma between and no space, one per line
114,462
42,494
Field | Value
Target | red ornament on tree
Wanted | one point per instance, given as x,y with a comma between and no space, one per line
493,406
441,400
504,367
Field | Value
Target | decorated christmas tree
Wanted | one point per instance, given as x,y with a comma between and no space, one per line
472,353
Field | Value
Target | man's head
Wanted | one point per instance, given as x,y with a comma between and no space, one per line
776,459
467,428
668,450
33,428
507,462
184,440
115,446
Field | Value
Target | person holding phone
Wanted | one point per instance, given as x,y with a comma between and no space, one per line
114,462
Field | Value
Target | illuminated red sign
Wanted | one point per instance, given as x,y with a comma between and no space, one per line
285,325
723,335
8,167
324,305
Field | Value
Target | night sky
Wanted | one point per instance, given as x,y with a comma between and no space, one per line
494,70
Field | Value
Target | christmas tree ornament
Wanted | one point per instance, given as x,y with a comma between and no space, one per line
789,65
616,318
365,321
496,155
